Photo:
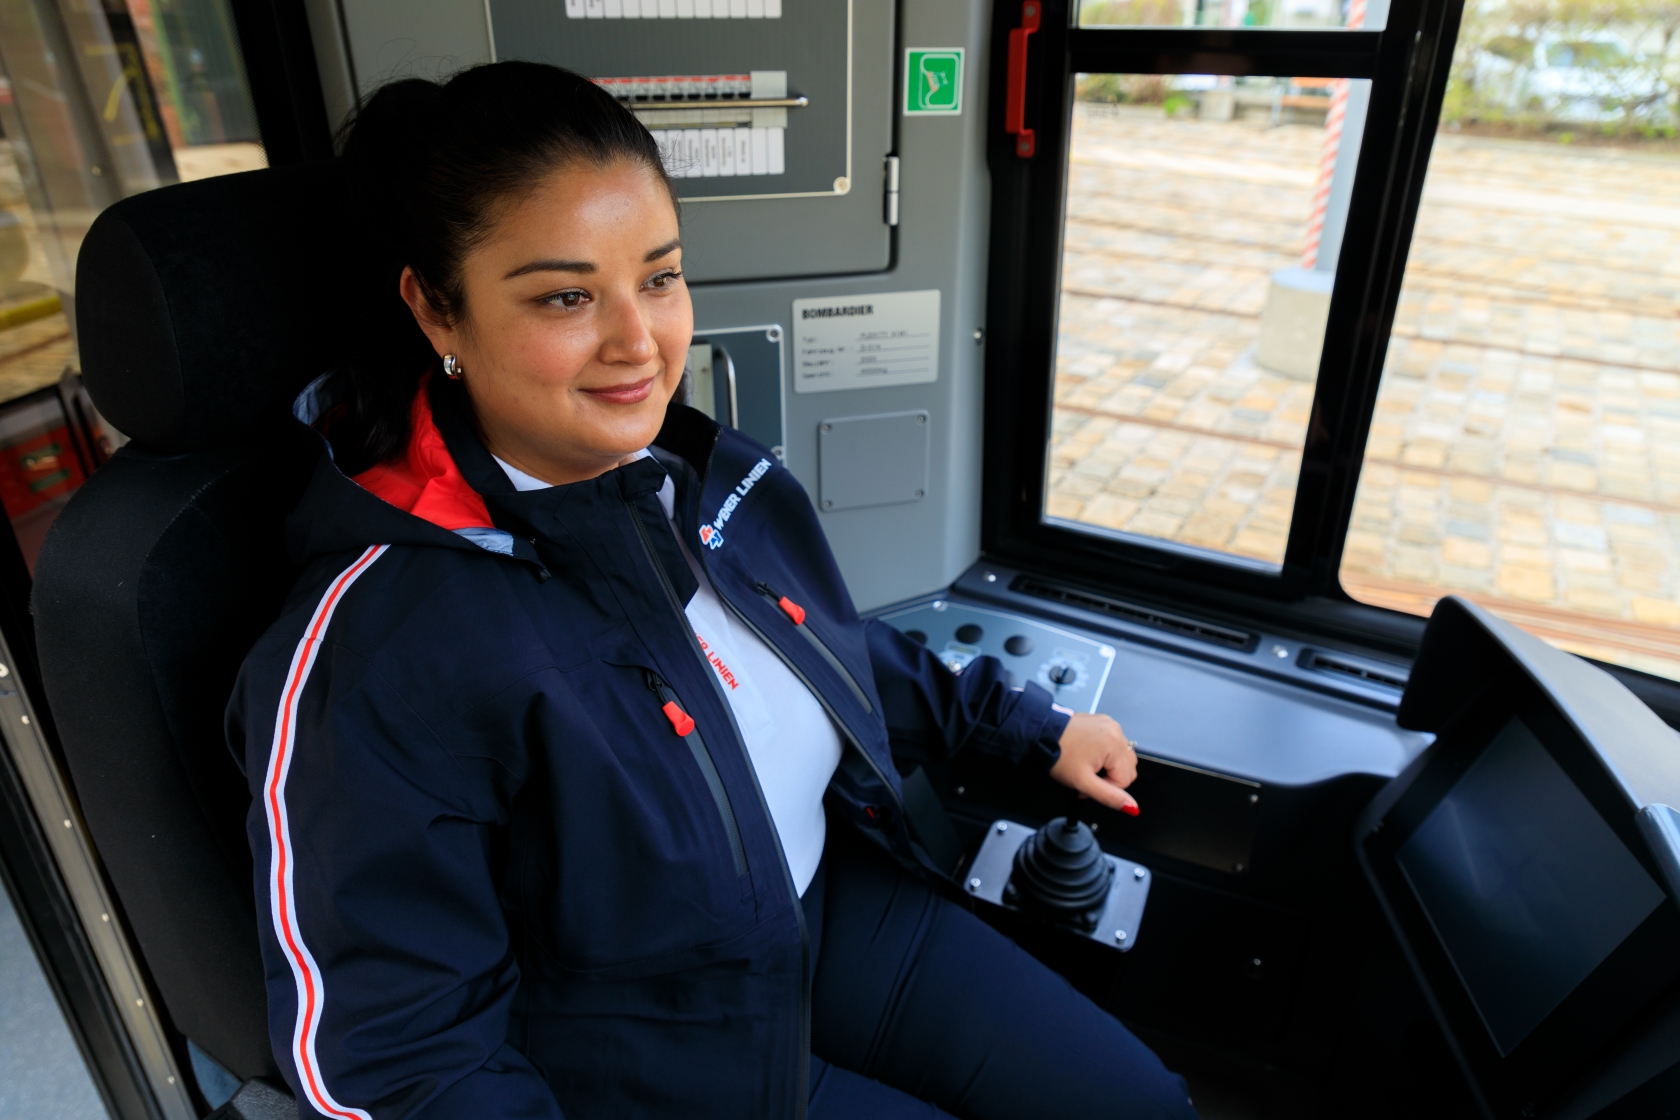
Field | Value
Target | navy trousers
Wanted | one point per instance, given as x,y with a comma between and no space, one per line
921,1010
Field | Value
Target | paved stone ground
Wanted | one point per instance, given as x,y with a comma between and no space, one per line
1526,445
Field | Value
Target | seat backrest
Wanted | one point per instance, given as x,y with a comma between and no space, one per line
201,311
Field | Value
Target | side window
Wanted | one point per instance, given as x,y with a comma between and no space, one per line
1204,218
1525,448
98,101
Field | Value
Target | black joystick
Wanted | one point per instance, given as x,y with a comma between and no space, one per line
1061,873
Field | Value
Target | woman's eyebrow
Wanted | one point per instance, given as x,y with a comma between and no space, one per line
551,266
666,249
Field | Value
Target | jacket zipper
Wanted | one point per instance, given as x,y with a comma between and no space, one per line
802,1086
796,614
703,755
683,725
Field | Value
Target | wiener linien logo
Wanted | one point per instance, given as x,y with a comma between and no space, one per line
711,535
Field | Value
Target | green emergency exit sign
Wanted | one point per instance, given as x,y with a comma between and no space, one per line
933,81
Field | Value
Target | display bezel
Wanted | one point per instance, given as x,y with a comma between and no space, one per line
1599,1009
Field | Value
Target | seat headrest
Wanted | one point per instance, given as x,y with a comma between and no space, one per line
202,309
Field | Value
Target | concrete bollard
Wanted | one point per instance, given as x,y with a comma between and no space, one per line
1292,323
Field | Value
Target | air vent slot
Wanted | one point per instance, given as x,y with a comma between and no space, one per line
1387,676
1134,613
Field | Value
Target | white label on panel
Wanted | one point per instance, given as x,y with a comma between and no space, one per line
737,9
726,151
667,9
692,149
615,9
772,9
774,155
574,9
755,9
702,9
865,342
709,159
632,9
685,9
760,151
594,9
743,151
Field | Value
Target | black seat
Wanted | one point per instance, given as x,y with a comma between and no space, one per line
201,311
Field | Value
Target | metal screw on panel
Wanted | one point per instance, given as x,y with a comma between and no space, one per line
1280,651
5,672
773,334
1093,826
979,334
974,884
67,822
961,791
991,577
139,1003
918,493
1003,826
827,504
1138,873
921,418
1254,799
1120,936
940,604
1237,867
104,917
171,1080
26,721
828,427
1256,962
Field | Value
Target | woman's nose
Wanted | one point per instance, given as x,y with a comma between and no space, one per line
626,335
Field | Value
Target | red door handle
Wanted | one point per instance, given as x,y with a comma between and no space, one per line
1015,97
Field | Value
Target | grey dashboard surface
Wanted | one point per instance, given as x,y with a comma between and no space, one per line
1177,708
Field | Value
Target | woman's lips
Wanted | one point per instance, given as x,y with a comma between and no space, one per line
632,392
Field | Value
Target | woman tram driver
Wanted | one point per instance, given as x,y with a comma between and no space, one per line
542,745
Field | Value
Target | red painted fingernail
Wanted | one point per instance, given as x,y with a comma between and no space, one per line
1129,810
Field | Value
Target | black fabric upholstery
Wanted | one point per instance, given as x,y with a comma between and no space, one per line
151,586
202,309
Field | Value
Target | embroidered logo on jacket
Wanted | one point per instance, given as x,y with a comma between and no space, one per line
711,535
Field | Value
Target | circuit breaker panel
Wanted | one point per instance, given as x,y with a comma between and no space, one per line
774,116
747,99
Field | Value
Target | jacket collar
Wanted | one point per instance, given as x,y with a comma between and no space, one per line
448,480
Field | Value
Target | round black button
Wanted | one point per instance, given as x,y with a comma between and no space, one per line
916,636
968,633
1018,644
1063,674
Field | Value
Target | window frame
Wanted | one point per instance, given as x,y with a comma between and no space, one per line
1408,63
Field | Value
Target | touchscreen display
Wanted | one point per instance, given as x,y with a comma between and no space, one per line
1527,887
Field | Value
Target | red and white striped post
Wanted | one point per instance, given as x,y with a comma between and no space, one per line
1332,145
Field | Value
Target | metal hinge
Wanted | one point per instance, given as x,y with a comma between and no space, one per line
892,191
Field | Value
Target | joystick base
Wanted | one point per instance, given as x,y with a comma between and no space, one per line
1119,917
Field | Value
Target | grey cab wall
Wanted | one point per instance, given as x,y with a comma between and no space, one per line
751,258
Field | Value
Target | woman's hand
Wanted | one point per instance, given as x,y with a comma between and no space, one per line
1098,761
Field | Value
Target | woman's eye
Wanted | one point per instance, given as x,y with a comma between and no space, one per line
571,298
663,279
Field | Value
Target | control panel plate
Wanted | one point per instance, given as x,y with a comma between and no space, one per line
1072,667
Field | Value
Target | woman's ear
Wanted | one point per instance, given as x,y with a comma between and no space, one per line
437,329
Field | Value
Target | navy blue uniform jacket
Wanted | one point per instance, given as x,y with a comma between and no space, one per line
511,853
